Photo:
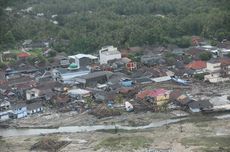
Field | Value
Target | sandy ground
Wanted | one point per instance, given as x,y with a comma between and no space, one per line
168,138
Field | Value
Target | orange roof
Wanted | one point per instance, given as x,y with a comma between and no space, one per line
23,55
151,93
196,65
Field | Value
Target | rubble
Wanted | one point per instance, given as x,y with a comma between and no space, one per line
103,111
51,144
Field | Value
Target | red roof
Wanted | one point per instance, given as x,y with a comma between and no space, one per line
23,55
151,93
197,65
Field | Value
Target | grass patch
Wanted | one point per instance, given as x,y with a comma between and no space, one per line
15,51
209,144
127,143
35,52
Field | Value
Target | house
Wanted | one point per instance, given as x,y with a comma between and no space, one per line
5,115
23,55
32,94
179,98
108,53
42,90
198,106
21,84
143,80
213,66
4,105
122,64
159,96
215,78
219,70
35,107
78,94
220,103
130,66
225,66
93,79
64,62
151,60
7,56
161,79
198,66
19,110
116,65
29,44
66,76
4,110
82,60
126,82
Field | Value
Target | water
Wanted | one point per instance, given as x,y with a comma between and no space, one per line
72,129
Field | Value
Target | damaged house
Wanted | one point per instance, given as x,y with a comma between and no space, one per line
158,96
219,70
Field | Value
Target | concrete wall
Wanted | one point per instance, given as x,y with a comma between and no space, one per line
212,67
109,53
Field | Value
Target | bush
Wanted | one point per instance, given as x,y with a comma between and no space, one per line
199,76
2,65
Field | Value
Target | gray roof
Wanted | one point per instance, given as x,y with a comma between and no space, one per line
219,101
96,74
34,105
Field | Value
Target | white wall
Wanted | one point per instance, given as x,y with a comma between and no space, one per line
109,53
212,67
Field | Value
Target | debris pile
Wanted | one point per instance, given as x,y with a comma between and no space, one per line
50,144
103,111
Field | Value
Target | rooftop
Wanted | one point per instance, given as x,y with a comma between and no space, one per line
23,55
151,93
79,56
197,65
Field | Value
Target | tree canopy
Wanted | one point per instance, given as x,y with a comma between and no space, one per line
89,24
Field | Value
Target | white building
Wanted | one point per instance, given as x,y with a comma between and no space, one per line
215,78
82,59
213,66
108,53
216,69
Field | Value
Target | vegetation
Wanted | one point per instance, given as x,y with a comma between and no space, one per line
2,65
200,76
209,144
205,56
86,25
130,143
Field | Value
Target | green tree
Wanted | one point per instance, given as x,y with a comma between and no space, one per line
205,56
89,101
9,39
119,99
2,65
